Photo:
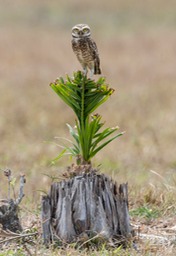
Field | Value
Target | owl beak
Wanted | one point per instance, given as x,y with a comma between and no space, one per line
80,33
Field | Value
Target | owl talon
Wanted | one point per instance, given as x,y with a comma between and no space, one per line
91,73
85,71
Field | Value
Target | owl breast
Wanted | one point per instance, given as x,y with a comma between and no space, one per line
82,50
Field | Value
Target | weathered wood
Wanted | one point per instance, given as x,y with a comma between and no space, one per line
9,217
9,208
46,219
88,204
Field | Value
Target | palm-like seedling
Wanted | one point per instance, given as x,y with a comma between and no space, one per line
84,96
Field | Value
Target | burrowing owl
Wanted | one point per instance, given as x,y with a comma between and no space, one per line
85,49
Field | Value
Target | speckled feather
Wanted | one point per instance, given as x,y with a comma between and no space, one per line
87,53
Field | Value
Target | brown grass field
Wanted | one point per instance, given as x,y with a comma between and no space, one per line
137,46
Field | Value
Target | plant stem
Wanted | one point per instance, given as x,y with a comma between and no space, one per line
82,103
82,124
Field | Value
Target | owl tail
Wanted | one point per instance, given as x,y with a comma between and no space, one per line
97,71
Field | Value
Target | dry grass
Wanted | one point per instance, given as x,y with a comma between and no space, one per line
137,45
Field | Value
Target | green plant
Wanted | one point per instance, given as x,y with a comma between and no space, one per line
84,96
145,211
11,252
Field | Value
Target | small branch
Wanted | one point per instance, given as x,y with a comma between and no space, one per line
8,174
4,201
21,193
18,237
88,240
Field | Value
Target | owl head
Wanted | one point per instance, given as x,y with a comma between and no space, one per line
81,31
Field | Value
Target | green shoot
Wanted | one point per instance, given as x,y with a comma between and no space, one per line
84,96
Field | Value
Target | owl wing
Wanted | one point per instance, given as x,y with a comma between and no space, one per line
74,45
95,56
93,48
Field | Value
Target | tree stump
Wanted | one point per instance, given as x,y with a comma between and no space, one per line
9,216
9,209
86,205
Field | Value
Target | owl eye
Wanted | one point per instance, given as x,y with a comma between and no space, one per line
85,30
76,30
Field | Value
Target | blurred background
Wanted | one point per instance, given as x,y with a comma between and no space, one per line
137,47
